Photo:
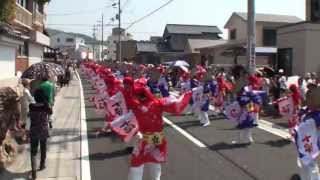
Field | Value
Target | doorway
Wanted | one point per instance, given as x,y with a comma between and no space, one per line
285,60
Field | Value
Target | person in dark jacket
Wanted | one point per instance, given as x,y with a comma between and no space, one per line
39,113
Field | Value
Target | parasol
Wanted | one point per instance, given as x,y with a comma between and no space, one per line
43,69
179,63
268,71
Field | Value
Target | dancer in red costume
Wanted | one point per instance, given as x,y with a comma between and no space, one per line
296,99
152,147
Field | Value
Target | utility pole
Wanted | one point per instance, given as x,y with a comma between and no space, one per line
119,38
101,53
251,39
94,41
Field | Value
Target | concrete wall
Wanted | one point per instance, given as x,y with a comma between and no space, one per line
304,39
312,48
260,60
7,61
35,53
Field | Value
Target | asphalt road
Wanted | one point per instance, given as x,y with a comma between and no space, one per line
270,157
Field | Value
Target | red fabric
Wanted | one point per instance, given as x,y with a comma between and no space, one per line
224,85
145,153
149,116
295,94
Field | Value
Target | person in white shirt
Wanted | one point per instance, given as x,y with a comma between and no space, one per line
26,100
282,82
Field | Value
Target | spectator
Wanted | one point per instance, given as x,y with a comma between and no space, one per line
26,100
314,78
302,89
48,89
282,82
67,76
39,113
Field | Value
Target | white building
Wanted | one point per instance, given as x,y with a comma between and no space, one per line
113,41
22,39
69,43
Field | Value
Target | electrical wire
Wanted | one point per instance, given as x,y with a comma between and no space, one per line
149,14
79,25
78,12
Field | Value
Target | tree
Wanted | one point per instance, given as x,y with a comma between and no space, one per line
7,10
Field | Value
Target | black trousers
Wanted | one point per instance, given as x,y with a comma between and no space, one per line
34,144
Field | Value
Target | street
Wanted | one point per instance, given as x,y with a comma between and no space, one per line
269,157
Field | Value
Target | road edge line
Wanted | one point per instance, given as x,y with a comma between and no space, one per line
85,164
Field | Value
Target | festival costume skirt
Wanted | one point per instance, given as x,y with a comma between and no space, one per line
150,149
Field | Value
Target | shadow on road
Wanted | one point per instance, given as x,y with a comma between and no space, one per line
225,146
278,143
109,155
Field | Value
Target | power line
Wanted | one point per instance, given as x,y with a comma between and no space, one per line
149,14
78,12
80,25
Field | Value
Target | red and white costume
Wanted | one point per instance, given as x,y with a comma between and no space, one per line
152,147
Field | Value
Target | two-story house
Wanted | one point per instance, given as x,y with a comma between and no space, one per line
234,50
28,23
68,44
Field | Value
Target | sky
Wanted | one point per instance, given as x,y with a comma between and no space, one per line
80,15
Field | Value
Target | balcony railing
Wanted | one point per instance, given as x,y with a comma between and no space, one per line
23,16
38,18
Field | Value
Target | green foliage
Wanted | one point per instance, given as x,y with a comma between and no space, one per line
7,10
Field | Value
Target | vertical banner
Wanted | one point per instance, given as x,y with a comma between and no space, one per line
116,106
126,126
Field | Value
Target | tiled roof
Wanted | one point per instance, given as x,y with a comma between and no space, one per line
191,29
271,18
195,44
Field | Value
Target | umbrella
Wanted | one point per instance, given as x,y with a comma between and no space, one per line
43,69
180,63
185,69
269,71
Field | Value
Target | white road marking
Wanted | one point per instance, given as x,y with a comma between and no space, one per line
85,164
185,133
263,124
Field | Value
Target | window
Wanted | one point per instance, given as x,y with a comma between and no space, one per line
22,3
269,37
233,34
69,40
58,40
23,50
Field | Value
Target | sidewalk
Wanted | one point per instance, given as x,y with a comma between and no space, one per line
63,153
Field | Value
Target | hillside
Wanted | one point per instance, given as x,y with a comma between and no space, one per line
88,39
